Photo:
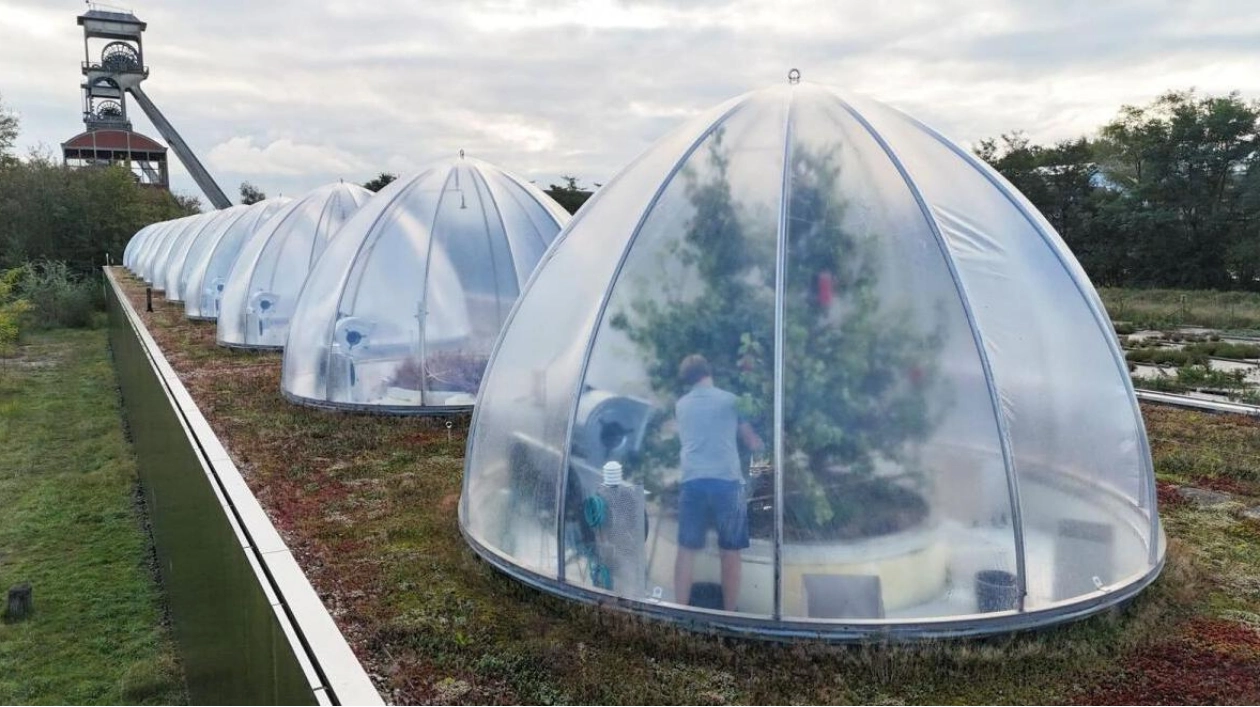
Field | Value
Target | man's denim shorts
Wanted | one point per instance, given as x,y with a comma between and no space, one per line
713,503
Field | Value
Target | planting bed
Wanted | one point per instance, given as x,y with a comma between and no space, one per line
1201,363
368,504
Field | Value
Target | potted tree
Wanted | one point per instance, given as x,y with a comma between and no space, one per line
861,383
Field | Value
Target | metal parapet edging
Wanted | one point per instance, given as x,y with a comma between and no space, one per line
1185,401
312,633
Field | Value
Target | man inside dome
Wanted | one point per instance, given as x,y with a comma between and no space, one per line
712,494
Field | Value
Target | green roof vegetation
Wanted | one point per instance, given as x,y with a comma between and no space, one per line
368,505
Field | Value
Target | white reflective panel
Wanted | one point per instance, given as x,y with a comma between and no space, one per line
261,290
210,276
401,312
806,367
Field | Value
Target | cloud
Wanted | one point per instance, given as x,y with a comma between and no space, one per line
281,157
295,94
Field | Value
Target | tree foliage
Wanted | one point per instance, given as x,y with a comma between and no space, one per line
53,213
58,297
13,310
380,181
1168,194
251,194
77,216
8,134
569,195
856,375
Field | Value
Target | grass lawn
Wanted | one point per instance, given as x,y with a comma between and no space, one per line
69,526
1162,309
368,505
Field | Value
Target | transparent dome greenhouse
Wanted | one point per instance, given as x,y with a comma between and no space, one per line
190,242
137,258
400,314
148,258
196,251
136,243
140,242
157,247
261,290
207,275
169,257
808,368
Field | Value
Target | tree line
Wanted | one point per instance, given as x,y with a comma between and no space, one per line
49,212
1166,195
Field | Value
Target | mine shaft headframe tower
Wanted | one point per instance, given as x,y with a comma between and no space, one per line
116,69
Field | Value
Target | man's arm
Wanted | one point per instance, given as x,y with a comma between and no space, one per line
749,437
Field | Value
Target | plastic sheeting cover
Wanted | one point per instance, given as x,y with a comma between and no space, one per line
401,312
934,427
261,290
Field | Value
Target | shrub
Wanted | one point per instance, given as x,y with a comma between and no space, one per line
1165,357
1204,377
1163,384
1225,349
58,296
13,310
1124,328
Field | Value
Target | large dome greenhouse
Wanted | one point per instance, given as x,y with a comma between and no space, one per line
807,367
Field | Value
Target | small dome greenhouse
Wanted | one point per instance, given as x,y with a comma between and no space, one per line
199,249
808,368
136,243
164,258
206,229
401,312
261,290
206,275
158,246
139,255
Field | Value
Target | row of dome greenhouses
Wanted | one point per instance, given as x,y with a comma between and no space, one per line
390,302
804,368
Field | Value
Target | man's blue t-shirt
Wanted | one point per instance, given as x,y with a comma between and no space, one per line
707,425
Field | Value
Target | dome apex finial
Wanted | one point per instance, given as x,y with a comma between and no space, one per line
794,76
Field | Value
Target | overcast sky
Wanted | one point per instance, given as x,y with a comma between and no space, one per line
290,95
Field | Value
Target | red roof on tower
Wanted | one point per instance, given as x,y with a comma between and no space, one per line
114,140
